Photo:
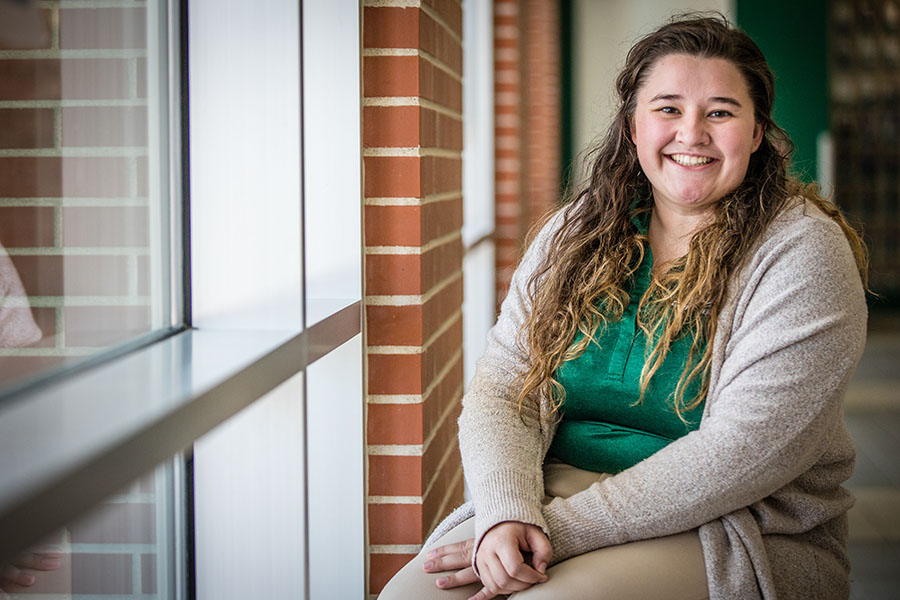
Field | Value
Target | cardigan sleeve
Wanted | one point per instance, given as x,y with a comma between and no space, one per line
502,449
789,351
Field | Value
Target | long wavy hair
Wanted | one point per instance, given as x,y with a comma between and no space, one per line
584,278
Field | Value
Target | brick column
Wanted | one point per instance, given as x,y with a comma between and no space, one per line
509,231
412,137
527,124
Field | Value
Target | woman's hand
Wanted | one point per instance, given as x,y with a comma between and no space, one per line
501,564
502,549
19,572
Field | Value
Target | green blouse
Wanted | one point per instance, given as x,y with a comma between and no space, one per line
603,429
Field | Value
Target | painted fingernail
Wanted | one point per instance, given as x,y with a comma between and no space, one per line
442,581
429,565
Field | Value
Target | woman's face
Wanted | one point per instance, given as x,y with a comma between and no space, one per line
695,130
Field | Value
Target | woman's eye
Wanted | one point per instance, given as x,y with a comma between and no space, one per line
669,110
719,114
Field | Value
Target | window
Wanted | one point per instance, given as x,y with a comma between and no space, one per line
238,397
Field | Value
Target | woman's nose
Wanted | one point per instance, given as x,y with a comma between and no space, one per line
692,130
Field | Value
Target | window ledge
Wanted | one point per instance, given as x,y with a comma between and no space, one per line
140,410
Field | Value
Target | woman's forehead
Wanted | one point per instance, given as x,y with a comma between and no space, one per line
693,76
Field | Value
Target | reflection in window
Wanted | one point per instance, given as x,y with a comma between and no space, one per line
82,105
123,548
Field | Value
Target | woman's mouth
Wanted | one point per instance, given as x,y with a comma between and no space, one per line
687,160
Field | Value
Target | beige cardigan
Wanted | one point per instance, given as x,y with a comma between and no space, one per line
762,475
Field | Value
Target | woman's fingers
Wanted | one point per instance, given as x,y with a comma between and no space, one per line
11,574
541,551
463,577
483,594
515,567
449,557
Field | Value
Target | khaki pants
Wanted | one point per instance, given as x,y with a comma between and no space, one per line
668,568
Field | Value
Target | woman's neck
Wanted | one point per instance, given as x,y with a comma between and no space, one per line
670,233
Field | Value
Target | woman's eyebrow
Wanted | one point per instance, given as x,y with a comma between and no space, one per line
722,99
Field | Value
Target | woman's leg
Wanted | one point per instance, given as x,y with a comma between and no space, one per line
668,568
413,583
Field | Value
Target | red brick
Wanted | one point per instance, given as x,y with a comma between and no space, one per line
395,524
441,351
384,566
393,424
123,523
106,226
437,41
445,393
104,126
441,218
25,177
394,325
391,126
141,67
391,274
441,307
98,326
14,368
390,76
444,438
90,28
440,131
440,262
96,574
441,175
393,225
26,226
26,128
54,275
438,86
71,78
45,318
395,475
395,374
389,27
392,177
29,33
450,12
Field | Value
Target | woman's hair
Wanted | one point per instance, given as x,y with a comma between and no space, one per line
584,278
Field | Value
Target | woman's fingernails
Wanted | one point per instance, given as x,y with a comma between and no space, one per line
429,565
28,579
442,581
430,554
50,563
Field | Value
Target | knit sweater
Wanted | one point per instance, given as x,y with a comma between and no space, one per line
761,477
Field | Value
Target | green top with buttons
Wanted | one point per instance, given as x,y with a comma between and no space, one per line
603,427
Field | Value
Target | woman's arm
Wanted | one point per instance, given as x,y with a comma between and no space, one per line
503,450
797,333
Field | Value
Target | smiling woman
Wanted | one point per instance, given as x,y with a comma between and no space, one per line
658,411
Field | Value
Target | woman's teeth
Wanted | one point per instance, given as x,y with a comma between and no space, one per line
690,161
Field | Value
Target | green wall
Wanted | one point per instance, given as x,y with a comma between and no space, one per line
793,34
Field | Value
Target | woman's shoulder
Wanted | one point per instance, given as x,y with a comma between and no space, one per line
802,227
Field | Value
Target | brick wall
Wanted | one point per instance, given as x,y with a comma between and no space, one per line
412,137
527,124
73,178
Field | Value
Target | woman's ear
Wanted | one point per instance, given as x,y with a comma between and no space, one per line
757,136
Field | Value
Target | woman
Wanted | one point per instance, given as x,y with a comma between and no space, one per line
658,412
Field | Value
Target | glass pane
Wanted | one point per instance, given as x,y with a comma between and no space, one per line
124,548
84,227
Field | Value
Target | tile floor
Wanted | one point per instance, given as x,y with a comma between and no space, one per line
873,418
